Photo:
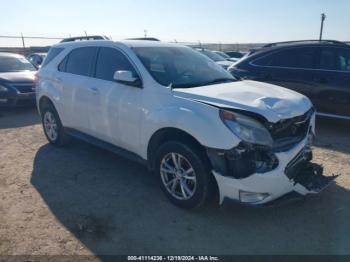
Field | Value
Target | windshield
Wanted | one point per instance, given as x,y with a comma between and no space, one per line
181,67
15,64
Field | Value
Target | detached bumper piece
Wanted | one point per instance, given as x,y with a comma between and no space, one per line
311,177
307,174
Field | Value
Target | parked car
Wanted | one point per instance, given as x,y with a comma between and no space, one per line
37,59
318,69
226,56
235,54
16,81
186,118
216,58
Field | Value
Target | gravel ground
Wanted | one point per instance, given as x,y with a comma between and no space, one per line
83,200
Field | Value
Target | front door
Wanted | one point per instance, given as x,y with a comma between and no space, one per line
115,112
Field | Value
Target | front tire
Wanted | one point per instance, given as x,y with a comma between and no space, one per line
184,174
53,129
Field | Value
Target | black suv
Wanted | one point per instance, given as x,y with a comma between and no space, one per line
318,69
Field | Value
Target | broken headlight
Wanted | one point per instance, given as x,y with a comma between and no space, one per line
246,128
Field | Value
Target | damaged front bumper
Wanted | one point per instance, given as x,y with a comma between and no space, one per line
283,173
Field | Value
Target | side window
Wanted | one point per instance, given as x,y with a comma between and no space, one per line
335,59
53,52
110,60
295,58
80,61
343,59
263,61
328,59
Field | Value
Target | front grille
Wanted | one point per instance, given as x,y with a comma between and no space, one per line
24,88
288,132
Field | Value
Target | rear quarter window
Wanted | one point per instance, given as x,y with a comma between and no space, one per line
53,52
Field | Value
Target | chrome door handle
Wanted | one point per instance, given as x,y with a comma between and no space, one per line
58,80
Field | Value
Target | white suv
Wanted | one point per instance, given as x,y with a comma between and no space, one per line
188,119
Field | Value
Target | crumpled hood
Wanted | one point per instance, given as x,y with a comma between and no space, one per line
18,77
271,101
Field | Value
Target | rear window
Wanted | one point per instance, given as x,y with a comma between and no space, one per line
80,61
53,52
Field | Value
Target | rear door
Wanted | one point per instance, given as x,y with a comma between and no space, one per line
75,77
333,81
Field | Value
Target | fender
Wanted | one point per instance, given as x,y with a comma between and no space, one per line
199,120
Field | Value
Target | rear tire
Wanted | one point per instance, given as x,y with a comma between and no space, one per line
184,174
52,125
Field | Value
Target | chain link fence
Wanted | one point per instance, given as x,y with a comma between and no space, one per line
30,44
26,44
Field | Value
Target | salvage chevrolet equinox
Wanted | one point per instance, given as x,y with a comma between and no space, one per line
170,107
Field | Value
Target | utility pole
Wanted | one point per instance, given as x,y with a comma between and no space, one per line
24,46
323,17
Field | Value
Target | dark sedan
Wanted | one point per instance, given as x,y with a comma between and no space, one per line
318,69
17,76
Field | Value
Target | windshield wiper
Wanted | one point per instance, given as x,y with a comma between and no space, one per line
219,81
186,85
212,82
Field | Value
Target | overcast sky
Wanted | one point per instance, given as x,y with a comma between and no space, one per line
223,21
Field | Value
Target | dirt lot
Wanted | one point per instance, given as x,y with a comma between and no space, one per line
84,200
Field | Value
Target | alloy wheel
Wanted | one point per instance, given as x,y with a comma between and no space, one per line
50,125
178,176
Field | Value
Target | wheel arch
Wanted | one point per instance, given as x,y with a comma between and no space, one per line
43,101
176,134
170,134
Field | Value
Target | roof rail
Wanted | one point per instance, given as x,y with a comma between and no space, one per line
304,41
144,38
84,38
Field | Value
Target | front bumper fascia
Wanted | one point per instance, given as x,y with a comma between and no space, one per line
16,99
276,183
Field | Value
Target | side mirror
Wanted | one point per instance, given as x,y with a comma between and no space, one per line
127,78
